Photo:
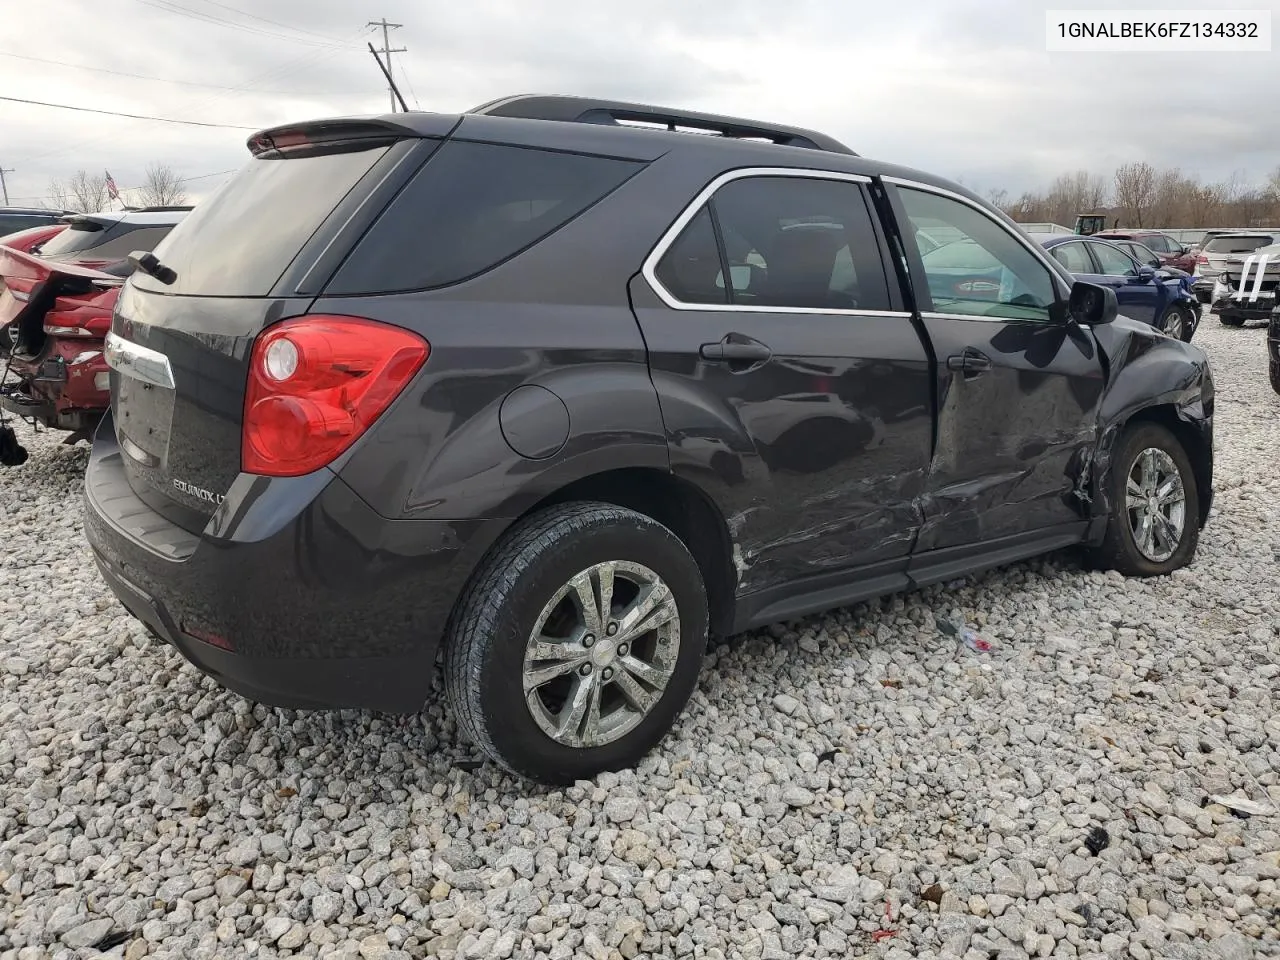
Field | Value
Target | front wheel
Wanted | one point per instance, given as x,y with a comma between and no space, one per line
577,642
1178,322
1155,515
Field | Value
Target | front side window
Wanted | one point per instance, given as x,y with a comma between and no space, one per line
1113,262
789,242
987,272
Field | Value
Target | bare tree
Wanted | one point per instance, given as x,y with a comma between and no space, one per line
83,193
162,187
1135,192
59,196
999,197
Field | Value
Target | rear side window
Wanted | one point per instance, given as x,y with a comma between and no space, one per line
239,242
691,269
470,207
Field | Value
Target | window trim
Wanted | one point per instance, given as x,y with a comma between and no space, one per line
1039,253
1032,247
703,200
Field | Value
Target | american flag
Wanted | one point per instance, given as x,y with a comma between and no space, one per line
112,192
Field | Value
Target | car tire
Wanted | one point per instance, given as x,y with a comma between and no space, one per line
1273,367
1125,547
1180,317
494,681
1231,321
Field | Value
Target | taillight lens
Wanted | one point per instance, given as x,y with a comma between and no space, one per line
1201,258
316,383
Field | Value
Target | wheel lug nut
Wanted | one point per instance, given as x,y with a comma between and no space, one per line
622,649
608,674
613,628
588,640
586,670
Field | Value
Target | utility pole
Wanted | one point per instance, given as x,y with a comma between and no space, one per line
4,187
387,51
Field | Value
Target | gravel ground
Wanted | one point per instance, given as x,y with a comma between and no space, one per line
852,785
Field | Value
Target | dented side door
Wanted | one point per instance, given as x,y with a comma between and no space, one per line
1017,389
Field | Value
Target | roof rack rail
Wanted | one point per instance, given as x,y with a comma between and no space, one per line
616,112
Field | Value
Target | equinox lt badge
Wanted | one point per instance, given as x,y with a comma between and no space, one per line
198,492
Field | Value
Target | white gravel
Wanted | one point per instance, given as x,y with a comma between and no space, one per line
824,777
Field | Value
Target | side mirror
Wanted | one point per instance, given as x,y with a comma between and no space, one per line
1146,274
1091,304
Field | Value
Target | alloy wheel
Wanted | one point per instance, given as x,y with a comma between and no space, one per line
1156,502
601,653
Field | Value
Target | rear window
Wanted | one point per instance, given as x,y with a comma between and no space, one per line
1237,244
13,222
98,242
472,206
239,242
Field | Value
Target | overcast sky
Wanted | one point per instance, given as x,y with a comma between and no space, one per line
963,88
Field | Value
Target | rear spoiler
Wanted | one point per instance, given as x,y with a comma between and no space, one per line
23,266
362,131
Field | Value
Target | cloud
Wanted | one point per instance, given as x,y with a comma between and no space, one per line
963,88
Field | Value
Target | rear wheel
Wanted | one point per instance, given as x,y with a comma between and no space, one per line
1155,514
1178,322
577,642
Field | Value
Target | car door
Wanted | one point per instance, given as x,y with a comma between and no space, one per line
1017,389
794,387
1139,294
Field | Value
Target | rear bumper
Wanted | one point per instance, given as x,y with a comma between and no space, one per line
296,594
65,387
1233,309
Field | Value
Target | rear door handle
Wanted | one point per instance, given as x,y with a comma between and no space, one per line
735,351
971,362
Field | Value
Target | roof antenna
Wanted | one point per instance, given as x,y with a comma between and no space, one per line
386,73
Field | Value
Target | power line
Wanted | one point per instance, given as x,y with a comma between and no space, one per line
4,187
144,76
409,83
203,176
131,116
387,52
280,71
276,23
170,7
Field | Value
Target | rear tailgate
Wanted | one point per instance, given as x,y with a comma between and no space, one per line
31,289
244,259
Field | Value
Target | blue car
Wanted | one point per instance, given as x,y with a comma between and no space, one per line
1144,293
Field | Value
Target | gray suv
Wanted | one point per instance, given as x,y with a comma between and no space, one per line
556,388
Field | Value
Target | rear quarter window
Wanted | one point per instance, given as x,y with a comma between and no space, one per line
470,207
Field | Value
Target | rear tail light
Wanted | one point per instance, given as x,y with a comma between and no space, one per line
318,382
1201,258
75,317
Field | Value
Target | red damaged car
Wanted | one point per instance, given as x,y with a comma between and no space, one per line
55,311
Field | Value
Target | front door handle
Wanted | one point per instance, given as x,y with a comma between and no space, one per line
971,363
735,350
